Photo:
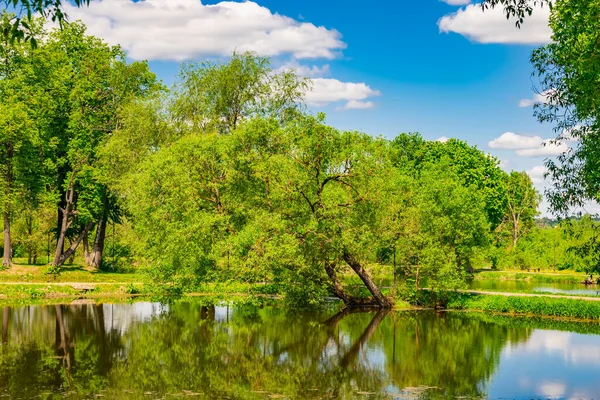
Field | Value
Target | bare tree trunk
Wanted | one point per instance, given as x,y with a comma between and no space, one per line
381,300
86,250
98,246
64,225
71,250
7,259
515,232
336,286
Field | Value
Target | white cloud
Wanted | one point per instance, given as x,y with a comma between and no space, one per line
514,141
547,149
325,91
457,2
537,174
492,26
184,29
442,139
313,71
505,164
358,105
528,146
537,98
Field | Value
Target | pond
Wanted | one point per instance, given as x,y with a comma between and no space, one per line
529,286
189,350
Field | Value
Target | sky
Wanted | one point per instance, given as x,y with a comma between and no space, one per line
442,68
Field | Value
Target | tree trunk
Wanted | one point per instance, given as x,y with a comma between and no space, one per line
64,225
336,286
7,259
381,300
86,250
59,259
515,232
98,246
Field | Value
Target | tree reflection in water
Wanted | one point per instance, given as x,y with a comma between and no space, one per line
245,352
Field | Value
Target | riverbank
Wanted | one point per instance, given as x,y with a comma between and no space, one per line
540,277
584,308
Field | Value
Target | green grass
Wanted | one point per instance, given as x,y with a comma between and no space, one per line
70,273
540,306
550,277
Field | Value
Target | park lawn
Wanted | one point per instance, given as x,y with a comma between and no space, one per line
70,273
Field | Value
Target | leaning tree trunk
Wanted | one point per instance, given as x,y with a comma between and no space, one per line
7,259
64,226
380,299
336,285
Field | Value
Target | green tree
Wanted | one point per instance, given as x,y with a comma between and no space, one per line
20,143
522,201
91,82
20,26
217,97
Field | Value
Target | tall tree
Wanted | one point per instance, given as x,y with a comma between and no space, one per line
522,201
219,96
20,144
94,82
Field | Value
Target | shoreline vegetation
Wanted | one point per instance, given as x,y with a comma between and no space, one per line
26,285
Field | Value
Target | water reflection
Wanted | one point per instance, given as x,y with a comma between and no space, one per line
149,350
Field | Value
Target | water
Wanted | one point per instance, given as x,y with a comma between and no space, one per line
186,350
513,285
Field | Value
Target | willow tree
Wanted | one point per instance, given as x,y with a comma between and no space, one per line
219,96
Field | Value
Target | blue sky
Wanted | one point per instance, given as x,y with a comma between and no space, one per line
384,67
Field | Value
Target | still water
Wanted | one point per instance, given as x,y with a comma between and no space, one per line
187,350
514,285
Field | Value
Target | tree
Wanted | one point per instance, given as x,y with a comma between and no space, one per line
471,166
219,97
518,9
90,83
20,143
522,201
20,27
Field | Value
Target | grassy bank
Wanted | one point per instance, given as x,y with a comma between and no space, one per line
540,306
541,277
69,273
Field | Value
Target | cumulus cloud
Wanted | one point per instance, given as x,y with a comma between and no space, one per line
537,98
528,146
327,90
442,139
184,29
537,174
514,141
492,26
457,2
358,105
547,149
313,71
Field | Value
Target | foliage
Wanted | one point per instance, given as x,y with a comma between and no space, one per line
20,27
